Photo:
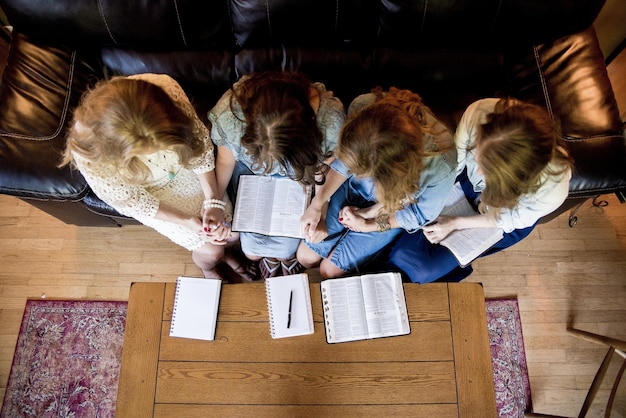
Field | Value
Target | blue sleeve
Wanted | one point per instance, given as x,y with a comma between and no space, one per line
340,167
431,197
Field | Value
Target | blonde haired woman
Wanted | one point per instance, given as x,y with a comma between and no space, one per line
395,165
512,166
143,150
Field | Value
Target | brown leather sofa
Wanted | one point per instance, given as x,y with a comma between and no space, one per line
450,52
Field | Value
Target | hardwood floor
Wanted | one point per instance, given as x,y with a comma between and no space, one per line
558,274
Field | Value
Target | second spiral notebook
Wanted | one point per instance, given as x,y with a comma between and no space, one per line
289,305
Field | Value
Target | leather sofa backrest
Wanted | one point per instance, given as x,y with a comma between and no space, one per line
182,24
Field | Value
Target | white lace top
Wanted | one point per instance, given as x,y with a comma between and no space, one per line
170,181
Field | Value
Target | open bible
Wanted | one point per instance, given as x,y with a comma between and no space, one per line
270,205
364,307
467,244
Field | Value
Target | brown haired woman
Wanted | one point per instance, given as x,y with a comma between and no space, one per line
395,165
512,166
275,124
143,150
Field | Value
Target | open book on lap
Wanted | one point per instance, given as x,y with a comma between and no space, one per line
467,244
364,307
270,205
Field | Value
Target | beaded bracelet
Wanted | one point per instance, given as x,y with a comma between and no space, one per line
214,203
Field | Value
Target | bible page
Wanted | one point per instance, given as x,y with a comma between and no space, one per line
385,305
254,203
344,311
467,244
290,201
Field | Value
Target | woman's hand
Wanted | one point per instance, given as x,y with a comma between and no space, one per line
439,228
215,229
313,223
352,218
370,212
320,233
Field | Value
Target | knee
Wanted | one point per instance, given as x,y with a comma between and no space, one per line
208,256
330,271
307,257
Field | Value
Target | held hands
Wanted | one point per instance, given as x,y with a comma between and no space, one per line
356,219
439,229
313,224
214,229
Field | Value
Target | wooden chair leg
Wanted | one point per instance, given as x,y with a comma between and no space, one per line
597,381
618,378
614,345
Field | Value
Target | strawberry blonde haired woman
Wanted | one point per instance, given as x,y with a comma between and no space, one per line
395,165
143,150
512,166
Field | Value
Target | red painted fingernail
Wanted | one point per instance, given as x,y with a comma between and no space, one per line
340,219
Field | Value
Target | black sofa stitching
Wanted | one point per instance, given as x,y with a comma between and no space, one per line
104,20
423,18
544,86
180,24
66,104
269,20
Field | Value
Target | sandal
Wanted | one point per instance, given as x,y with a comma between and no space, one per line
270,267
242,269
248,270
291,266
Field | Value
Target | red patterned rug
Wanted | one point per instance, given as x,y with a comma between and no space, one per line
510,371
68,354
67,360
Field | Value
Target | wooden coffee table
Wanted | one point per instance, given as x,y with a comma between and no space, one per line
442,369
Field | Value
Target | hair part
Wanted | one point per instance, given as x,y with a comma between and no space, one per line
281,126
514,148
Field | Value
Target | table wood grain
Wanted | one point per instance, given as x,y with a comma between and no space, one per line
442,368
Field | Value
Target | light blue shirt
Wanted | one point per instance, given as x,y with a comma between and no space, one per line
436,179
228,125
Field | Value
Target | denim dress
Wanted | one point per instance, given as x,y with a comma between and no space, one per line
354,251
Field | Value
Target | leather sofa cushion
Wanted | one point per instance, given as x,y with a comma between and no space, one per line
41,85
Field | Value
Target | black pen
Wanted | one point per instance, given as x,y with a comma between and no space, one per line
289,313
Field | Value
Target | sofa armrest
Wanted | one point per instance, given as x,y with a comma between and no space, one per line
568,76
40,87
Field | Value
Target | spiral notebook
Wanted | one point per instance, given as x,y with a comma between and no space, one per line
289,305
195,308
